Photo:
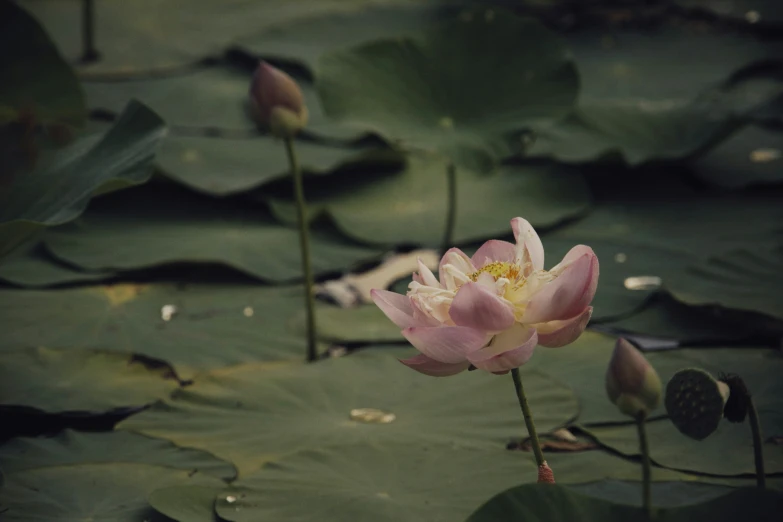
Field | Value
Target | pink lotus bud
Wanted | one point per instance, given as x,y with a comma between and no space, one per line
277,101
545,475
632,384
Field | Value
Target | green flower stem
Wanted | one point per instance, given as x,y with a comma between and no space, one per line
304,246
758,452
89,53
531,427
451,209
644,448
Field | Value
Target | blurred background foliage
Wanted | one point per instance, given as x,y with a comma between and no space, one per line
151,319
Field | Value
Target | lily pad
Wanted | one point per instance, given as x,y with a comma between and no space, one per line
175,226
114,492
409,206
663,494
44,85
70,448
554,503
228,166
55,380
31,266
209,98
304,40
186,503
164,36
210,326
251,415
704,249
455,87
59,191
752,156
363,324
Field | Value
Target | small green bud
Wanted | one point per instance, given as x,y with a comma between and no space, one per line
632,384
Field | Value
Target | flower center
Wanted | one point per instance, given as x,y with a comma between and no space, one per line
497,270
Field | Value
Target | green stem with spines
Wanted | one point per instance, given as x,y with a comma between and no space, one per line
304,246
531,427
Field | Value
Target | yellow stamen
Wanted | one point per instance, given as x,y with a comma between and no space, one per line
497,270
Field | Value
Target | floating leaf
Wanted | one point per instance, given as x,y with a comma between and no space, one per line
58,192
210,325
44,86
31,266
186,503
252,415
228,166
78,380
409,206
176,226
456,87
115,492
554,503
70,448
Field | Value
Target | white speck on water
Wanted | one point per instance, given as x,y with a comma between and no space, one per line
372,416
620,257
231,499
753,17
643,282
765,155
248,311
167,312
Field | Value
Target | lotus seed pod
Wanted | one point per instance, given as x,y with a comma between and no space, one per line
277,101
695,401
736,408
632,384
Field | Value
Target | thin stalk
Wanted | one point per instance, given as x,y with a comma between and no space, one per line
758,452
451,208
644,449
304,246
531,427
89,53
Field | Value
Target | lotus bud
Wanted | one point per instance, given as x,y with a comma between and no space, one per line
632,384
277,101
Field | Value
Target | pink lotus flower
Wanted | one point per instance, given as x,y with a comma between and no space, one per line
491,310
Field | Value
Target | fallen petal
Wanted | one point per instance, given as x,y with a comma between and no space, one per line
555,334
423,364
478,307
448,344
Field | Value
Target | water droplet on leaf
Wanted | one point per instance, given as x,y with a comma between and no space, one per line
620,257
167,312
248,311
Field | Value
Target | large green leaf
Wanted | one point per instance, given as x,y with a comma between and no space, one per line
58,191
56,380
304,40
164,35
228,166
213,98
409,206
553,503
173,226
70,448
752,156
112,492
252,414
464,84
215,325
397,481
31,266
707,249
44,85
